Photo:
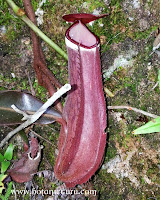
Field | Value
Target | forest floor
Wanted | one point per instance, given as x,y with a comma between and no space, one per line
131,166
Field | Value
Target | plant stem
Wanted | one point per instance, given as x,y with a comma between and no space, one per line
21,14
134,109
13,6
44,37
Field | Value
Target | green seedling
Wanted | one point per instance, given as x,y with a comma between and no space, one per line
150,127
5,160
153,125
5,163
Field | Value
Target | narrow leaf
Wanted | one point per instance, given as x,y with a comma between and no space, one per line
9,152
150,127
4,166
2,197
8,192
25,102
1,158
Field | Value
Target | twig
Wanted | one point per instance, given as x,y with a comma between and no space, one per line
41,137
155,85
32,118
15,195
30,83
134,109
25,115
108,92
113,38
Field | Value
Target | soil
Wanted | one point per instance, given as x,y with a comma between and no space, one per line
131,166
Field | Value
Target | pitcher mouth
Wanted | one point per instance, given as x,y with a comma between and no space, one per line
81,36
85,18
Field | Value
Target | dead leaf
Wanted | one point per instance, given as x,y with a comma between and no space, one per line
27,166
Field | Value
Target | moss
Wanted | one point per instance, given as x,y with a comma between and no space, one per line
12,23
125,84
110,151
144,34
110,187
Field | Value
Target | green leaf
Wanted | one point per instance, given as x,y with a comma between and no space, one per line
4,166
8,192
25,102
1,157
1,187
9,152
150,127
2,177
